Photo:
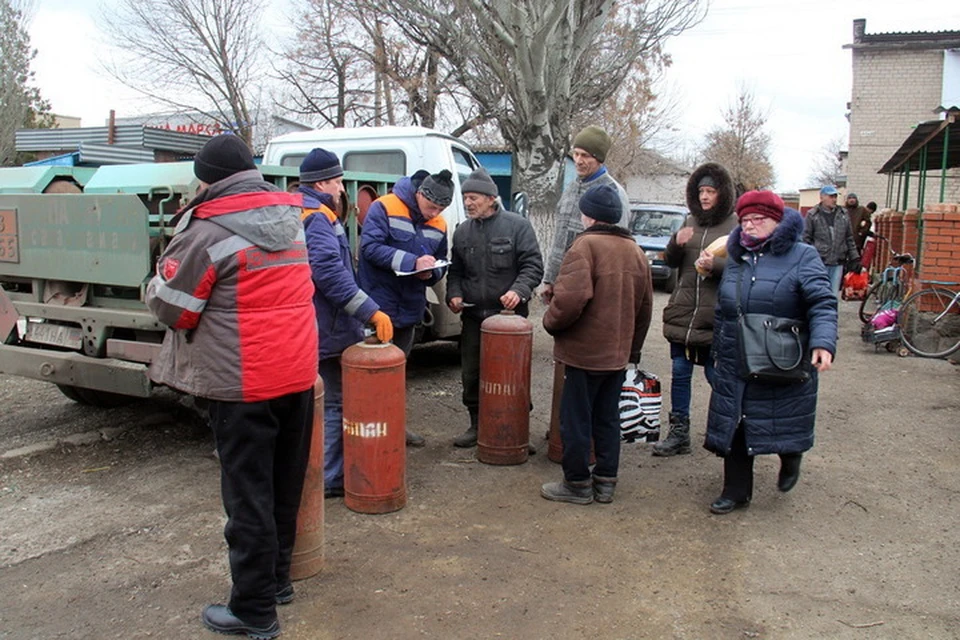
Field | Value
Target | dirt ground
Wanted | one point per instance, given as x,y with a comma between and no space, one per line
112,528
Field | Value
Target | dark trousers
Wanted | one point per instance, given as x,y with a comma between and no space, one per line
590,410
332,375
264,448
470,363
403,337
738,468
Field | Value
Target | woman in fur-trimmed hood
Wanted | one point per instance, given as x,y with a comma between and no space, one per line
688,317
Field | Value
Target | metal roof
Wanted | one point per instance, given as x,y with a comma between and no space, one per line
130,135
36,179
933,134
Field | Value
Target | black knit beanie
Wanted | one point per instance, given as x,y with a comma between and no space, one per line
602,203
320,165
438,188
223,156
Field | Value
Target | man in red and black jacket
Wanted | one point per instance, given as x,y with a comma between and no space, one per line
234,288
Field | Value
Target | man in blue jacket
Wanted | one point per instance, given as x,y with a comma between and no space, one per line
404,233
342,306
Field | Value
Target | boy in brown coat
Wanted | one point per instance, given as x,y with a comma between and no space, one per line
599,316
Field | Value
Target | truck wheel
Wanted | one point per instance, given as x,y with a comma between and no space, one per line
94,397
671,282
72,393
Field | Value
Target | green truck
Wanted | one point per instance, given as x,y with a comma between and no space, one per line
77,249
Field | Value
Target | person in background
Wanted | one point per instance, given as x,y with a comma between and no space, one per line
495,264
859,219
404,231
590,148
827,228
342,307
234,288
778,275
599,315
688,317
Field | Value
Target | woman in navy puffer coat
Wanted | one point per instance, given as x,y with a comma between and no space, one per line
781,277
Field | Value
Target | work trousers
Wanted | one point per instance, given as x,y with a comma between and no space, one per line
332,376
264,448
470,363
590,411
403,338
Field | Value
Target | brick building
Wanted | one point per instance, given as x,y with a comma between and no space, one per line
899,80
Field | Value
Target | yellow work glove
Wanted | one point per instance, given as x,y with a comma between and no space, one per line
381,322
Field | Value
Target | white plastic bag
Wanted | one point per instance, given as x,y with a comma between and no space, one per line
640,402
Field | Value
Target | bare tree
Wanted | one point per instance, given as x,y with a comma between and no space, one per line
741,144
21,105
193,55
354,65
530,65
828,164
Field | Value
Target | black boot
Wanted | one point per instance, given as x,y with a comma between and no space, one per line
469,437
789,471
678,442
219,618
415,439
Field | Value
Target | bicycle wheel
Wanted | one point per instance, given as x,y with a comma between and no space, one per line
930,323
871,303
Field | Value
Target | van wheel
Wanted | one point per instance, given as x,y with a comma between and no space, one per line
671,282
94,397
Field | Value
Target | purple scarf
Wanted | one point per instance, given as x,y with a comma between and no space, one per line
752,243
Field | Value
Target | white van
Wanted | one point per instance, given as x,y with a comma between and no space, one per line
398,151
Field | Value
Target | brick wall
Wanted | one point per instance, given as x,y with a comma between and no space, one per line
892,91
937,248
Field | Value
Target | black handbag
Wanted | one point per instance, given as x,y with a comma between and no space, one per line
772,349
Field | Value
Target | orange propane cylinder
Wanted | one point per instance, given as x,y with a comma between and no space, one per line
307,557
374,427
506,347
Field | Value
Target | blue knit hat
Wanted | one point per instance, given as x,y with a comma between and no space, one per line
320,165
602,203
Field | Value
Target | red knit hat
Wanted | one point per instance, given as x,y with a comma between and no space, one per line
765,203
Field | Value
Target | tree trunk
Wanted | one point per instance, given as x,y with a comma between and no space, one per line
541,178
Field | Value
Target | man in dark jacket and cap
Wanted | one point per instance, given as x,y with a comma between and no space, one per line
495,265
859,219
827,228
234,288
342,306
404,235
598,316
688,317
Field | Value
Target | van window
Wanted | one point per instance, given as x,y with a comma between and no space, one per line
464,163
389,162
293,160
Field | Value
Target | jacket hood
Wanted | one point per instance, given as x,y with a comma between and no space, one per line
406,190
725,202
787,234
251,207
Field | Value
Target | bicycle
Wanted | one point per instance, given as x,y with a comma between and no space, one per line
891,290
929,321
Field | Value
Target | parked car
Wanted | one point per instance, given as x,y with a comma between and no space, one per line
651,226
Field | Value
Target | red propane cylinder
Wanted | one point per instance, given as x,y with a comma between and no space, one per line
374,428
506,347
307,557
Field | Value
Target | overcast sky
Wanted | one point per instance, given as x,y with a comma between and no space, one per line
787,52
